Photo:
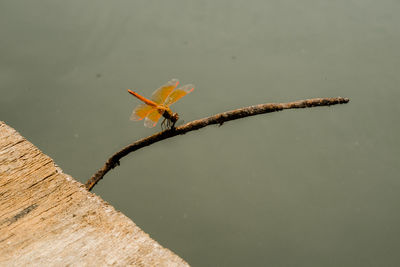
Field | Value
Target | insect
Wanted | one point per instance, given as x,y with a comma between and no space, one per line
158,105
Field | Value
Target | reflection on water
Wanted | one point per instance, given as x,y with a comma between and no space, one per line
311,187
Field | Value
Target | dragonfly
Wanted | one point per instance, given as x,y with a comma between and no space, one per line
158,105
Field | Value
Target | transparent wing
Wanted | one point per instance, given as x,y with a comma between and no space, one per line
152,118
179,93
164,91
140,112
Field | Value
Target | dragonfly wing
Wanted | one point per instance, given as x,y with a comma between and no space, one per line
179,93
152,118
140,112
164,91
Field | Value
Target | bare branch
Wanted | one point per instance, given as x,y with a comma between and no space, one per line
216,119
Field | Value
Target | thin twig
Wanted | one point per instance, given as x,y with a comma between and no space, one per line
216,119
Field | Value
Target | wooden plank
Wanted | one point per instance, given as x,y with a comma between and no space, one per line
49,219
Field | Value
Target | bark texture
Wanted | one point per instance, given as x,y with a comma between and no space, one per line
49,219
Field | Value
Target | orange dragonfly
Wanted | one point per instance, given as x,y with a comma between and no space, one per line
158,105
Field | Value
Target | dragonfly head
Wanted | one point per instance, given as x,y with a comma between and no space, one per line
170,117
174,117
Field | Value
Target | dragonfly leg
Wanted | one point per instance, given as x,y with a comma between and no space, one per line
172,124
162,125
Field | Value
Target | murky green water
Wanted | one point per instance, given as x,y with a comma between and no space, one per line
315,187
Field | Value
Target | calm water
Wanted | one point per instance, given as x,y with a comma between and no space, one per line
315,187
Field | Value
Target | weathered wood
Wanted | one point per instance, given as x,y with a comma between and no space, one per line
49,219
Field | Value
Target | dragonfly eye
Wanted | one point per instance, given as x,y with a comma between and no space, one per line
175,117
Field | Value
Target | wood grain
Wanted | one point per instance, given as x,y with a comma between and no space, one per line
49,219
